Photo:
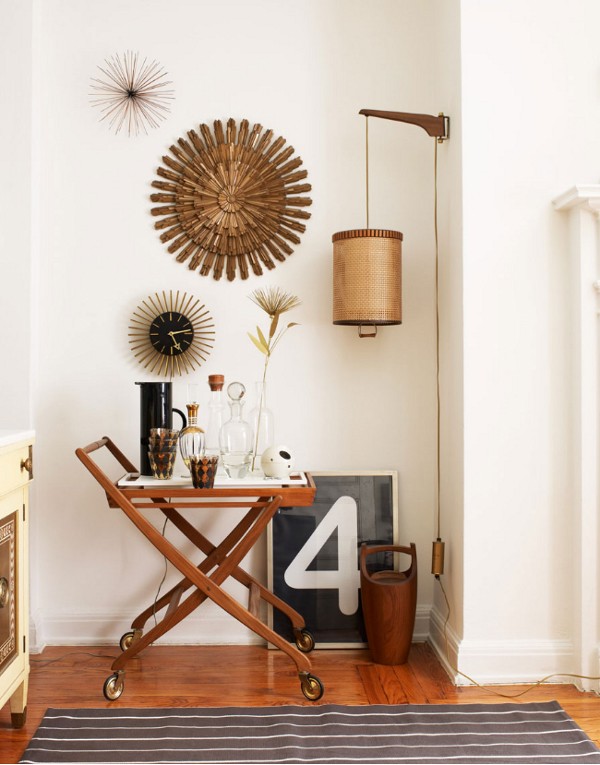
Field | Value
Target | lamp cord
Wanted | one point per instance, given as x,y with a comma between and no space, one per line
437,338
367,165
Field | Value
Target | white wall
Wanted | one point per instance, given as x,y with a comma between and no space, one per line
531,107
303,69
16,212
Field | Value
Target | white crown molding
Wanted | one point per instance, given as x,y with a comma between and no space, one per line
585,196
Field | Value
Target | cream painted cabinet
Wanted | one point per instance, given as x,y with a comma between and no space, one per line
16,472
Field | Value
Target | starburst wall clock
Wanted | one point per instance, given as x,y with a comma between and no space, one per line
171,334
231,200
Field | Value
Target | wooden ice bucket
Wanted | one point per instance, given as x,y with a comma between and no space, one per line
389,604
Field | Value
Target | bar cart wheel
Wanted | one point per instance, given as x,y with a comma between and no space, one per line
305,642
129,638
113,686
311,686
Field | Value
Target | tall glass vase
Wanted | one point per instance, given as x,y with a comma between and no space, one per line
262,421
217,414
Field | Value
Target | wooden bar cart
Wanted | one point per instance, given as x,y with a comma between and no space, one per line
137,495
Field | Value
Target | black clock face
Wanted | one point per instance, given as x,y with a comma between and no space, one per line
171,333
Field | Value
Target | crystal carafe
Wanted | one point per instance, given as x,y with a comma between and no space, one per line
217,414
236,437
191,438
263,423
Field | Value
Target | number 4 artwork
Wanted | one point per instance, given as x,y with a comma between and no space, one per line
314,553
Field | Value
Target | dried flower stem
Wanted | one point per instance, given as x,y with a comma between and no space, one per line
273,301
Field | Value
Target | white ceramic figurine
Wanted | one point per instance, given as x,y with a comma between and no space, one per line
277,462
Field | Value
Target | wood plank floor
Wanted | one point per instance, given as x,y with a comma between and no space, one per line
189,676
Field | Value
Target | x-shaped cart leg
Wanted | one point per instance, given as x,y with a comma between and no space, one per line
226,558
303,638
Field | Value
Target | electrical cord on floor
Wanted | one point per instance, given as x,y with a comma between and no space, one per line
531,687
45,662
162,581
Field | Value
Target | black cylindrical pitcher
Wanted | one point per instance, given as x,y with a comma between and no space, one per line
156,411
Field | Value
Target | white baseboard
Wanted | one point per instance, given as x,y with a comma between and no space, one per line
212,627
422,619
106,629
444,642
486,661
505,662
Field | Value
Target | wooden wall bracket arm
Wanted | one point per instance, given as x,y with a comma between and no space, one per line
438,127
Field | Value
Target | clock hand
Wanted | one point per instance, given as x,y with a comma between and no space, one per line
175,343
179,331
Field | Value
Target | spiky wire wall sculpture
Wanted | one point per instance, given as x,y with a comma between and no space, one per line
231,201
133,93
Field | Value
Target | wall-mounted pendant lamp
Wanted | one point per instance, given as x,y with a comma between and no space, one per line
367,262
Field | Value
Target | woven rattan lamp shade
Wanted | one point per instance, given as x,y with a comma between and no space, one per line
367,277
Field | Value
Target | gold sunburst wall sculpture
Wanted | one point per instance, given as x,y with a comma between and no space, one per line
171,334
133,93
231,199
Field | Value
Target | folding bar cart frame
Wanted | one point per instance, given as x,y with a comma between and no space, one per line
221,561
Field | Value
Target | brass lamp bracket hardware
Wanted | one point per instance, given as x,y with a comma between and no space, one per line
437,127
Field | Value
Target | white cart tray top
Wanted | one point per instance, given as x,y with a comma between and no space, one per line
133,480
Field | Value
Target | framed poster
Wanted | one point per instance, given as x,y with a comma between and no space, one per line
314,553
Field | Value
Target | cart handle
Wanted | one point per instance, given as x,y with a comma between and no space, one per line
104,481
112,448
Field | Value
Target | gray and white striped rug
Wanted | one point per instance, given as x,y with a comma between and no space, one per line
465,733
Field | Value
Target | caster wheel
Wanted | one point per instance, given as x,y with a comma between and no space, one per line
305,642
311,687
129,638
113,686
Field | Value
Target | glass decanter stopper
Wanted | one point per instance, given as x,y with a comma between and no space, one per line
191,438
217,414
236,437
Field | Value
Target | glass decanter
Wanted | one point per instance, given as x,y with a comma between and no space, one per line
236,437
191,438
217,414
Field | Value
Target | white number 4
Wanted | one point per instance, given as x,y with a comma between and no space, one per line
342,516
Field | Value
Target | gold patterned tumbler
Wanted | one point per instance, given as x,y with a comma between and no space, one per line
162,463
203,469
162,452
